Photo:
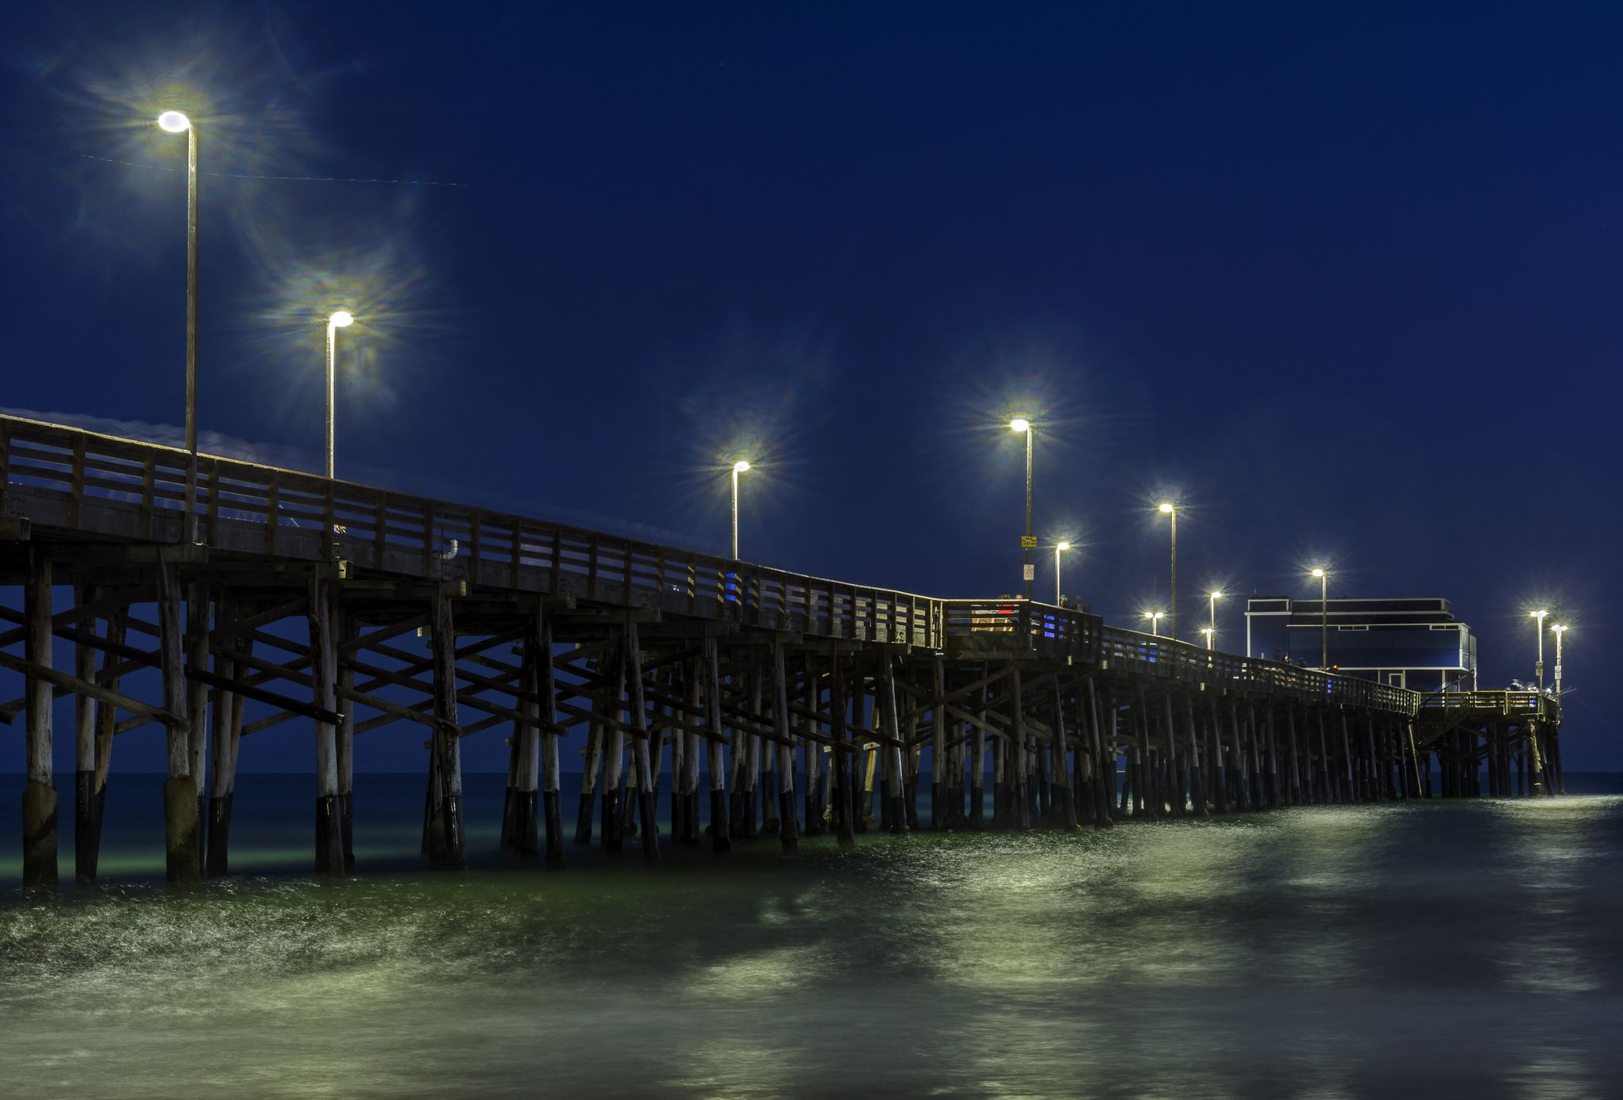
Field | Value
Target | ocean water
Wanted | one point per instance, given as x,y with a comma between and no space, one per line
1439,949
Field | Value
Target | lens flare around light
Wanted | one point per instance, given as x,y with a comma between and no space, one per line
174,122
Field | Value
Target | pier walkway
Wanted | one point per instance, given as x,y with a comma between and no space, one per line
757,700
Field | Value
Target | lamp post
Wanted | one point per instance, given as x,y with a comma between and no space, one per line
173,122
1210,632
1211,620
1155,621
341,319
1059,548
1028,541
1323,577
1538,669
1170,510
738,467
1558,629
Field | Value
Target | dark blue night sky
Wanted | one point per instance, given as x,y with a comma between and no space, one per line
1343,280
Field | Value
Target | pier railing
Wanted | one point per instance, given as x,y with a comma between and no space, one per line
1510,703
1060,632
82,480
57,476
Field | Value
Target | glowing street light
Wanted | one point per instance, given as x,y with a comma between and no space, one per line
1059,548
1538,669
1209,632
173,122
1028,542
341,319
1211,621
1558,629
1155,621
1170,510
1322,575
738,467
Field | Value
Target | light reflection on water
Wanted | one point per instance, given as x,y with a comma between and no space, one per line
1451,948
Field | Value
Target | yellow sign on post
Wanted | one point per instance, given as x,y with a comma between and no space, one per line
1028,542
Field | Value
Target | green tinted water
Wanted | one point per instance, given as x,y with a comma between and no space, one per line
1371,951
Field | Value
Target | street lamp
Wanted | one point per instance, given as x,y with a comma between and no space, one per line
1155,621
1209,632
1559,629
1211,622
1538,669
1059,548
1170,510
1323,577
341,319
173,122
738,467
1028,542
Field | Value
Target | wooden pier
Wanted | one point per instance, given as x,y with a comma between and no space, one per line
748,700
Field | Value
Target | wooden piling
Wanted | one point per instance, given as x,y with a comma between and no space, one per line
691,753
39,795
977,777
1062,770
720,840
198,630
939,770
1019,749
814,771
593,761
227,720
1104,754
614,744
1176,762
329,856
788,833
1219,767
1144,793
890,726
636,707
1197,784
180,789
544,685
107,722
344,738
446,844
520,834
85,712
840,762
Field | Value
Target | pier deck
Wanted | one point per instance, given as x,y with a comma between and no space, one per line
793,701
